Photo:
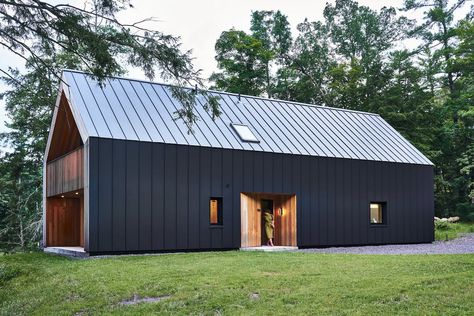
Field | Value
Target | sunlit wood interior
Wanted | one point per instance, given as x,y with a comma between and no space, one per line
66,135
65,220
284,213
64,182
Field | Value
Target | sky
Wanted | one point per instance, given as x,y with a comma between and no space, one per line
199,24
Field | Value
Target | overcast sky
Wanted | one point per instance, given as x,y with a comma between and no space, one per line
199,24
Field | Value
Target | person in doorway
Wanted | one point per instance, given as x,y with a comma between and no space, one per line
269,226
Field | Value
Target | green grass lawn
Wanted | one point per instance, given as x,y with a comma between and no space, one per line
448,231
236,282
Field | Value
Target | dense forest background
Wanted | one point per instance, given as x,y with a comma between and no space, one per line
355,58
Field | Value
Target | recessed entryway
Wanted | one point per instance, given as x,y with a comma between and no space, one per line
65,220
254,214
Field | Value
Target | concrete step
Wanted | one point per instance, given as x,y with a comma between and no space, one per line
269,248
76,252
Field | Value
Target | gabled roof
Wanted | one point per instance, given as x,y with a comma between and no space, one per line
144,111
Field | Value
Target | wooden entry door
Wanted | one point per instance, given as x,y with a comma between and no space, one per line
284,211
64,222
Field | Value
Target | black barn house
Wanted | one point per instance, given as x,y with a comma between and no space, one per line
122,175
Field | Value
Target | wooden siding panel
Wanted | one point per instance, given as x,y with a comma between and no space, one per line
244,229
66,173
251,220
81,222
63,222
292,232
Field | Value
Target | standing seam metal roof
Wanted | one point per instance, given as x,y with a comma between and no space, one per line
144,111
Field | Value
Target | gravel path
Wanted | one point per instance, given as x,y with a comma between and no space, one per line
464,244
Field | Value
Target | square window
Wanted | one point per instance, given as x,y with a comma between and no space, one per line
377,213
215,211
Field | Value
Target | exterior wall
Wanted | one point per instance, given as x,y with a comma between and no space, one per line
149,197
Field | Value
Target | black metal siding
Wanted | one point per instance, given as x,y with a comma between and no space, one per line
150,196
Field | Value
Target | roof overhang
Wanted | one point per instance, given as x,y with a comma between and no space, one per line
64,91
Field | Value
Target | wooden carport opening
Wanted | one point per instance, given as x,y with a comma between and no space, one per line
65,220
284,213
64,182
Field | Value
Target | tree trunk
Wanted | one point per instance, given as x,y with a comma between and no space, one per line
447,57
269,93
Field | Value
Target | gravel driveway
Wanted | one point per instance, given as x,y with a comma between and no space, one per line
464,244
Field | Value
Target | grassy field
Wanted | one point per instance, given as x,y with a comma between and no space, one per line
238,283
448,231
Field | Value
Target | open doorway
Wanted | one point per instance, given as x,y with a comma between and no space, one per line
65,220
255,207
267,226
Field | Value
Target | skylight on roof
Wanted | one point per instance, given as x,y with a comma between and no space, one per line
244,133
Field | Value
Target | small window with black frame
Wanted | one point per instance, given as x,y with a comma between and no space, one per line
378,213
215,211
